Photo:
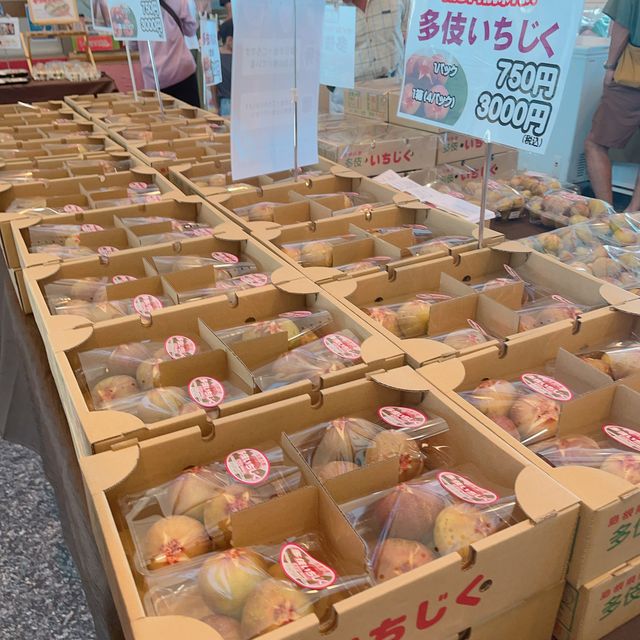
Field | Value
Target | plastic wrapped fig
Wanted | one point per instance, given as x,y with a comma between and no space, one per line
315,253
174,539
439,244
226,265
227,287
406,319
531,183
259,212
618,360
376,262
349,443
547,311
563,207
143,304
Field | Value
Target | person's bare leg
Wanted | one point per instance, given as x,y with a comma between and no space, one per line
634,205
599,166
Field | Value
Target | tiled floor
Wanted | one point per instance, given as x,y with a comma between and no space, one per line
41,595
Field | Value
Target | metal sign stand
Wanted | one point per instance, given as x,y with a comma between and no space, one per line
133,78
155,77
485,186
294,93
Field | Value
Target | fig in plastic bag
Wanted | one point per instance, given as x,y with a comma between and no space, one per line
317,254
273,604
507,425
572,449
624,465
387,318
162,403
335,445
413,318
334,469
623,363
227,578
125,359
397,556
148,373
599,364
189,492
409,512
89,289
113,388
460,525
389,444
228,628
494,397
536,417
218,510
175,539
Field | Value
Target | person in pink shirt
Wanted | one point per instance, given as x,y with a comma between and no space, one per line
174,62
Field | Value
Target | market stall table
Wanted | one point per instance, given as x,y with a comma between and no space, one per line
40,90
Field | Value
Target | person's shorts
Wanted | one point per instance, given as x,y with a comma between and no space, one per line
618,116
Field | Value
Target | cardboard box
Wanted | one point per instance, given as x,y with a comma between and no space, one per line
83,192
84,103
496,310
367,243
372,148
163,155
28,117
602,605
63,146
71,166
71,128
47,107
307,201
605,498
97,430
370,99
509,578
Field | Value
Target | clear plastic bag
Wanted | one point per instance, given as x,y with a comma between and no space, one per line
532,183
618,360
333,352
501,198
350,443
575,242
528,410
414,523
561,208
376,262
142,304
301,327
441,243
203,231
207,494
67,235
64,253
226,265
464,338
546,311
315,253
227,286
408,319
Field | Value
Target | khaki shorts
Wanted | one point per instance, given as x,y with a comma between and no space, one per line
618,116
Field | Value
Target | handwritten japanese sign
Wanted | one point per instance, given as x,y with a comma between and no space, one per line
265,82
494,72
211,67
338,57
137,20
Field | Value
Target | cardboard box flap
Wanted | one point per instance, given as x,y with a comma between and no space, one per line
593,486
107,425
632,307
283,275
169,627
402,379
343,172
512,246
302,286
615,295
68,332
229,232
343,288
324,274
539,496
424,350
448,375
108,469
375,348
266,231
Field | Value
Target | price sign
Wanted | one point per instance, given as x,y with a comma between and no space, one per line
137,20
210,52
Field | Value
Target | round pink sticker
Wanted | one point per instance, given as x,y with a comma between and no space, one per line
255,279
152,198
145,303
224,257
303,569
547,387
296,314
72,208
107,250
179,347
623,435
122,278
342,346
464,489
402,417
138,186
90,228
206,392
248,466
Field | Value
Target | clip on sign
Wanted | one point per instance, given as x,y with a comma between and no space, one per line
491,70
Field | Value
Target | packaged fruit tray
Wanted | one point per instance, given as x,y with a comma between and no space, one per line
563,207
244,507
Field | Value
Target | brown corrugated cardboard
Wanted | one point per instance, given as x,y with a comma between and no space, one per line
605,498
370,99
457,278
510,580
162,155
600,606
71,128
86,104
83,191
73,165
95,430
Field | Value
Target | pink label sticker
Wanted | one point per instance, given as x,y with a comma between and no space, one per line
547,387
72,208
432,297
474,325
255,279
303,569
206,392
512,272
145,303
122,278
224,257
558,298
626,437
152,198
296,314
248,466
402,417
462,488
107,250
179,347
138,186
342,346
202,233
90,228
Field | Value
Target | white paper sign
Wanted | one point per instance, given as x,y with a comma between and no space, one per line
338,57
492,69
10,33
210,52
137,20
263,79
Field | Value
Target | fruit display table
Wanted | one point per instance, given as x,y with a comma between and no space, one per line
37,91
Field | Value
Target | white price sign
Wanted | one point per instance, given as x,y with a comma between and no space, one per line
493,69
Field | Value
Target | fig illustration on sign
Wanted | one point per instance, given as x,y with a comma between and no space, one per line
100,16
488,70
137,20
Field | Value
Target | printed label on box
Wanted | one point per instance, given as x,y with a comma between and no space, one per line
402,417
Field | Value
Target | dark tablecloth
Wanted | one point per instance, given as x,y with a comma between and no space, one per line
31,415
37,91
